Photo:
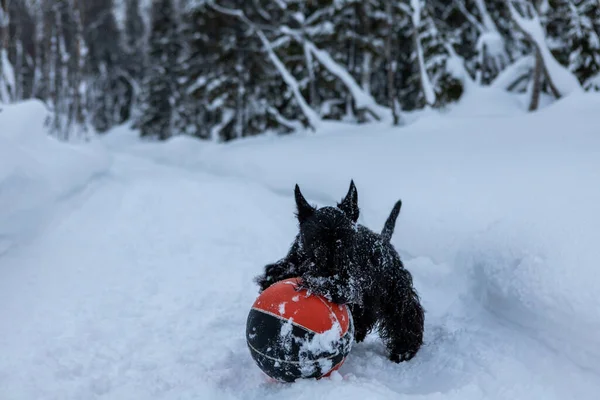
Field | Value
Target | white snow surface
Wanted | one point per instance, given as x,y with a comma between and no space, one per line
141,285
37,172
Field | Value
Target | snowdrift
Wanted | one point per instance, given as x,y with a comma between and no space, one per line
36,170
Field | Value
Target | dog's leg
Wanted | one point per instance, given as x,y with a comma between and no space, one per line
363,322
402,323
288,267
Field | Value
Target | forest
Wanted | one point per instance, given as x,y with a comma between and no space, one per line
225,69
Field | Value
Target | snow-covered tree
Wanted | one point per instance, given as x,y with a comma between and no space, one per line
7,75
433,52
79,117
160,83
583,40
108,86
559,79
225,69
134,45
21,33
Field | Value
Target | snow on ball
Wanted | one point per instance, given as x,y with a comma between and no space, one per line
293,334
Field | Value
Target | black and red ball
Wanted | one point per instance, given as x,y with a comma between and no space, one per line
293,334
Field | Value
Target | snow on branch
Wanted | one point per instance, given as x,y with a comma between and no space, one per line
455,64
362,99
310,114
488,21
4,17
290,124
426,84
561,80
226,118
514,73
7,77
490,46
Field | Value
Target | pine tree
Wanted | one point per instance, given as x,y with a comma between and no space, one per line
160,83
234,89
583,41
79,111
7,76
60,58
135,54
432,53
108,86
226,69
20,44
39,85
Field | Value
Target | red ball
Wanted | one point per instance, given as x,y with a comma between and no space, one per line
294,335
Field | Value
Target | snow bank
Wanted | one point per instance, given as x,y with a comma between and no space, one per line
36,170
487,101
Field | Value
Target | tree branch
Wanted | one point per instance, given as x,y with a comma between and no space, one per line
310,114
562,82
362,99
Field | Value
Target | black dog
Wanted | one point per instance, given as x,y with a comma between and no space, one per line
349,264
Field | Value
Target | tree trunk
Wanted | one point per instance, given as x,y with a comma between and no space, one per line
49,63
5,84
536,81
19,64
312,84
37,86
79,112
4,24
391,65
53,82
426,85
364,12
63,110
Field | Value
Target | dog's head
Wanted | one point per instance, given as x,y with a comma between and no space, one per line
327,234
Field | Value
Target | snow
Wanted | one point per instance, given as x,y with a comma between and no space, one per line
512,73
37,171
492,43
593,83
485,101
141,285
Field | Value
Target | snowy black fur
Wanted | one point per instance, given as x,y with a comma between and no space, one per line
349,264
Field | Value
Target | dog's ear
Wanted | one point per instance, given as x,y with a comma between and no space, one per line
349,204
304,210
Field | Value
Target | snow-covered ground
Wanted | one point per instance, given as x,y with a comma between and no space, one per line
127,266
38,172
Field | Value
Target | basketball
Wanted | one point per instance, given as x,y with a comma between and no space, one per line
294,335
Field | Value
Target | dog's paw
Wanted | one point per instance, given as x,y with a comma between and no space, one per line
402,356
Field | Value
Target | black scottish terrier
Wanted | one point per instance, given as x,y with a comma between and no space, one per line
349,264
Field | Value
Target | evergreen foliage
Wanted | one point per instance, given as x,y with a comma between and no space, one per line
225,69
